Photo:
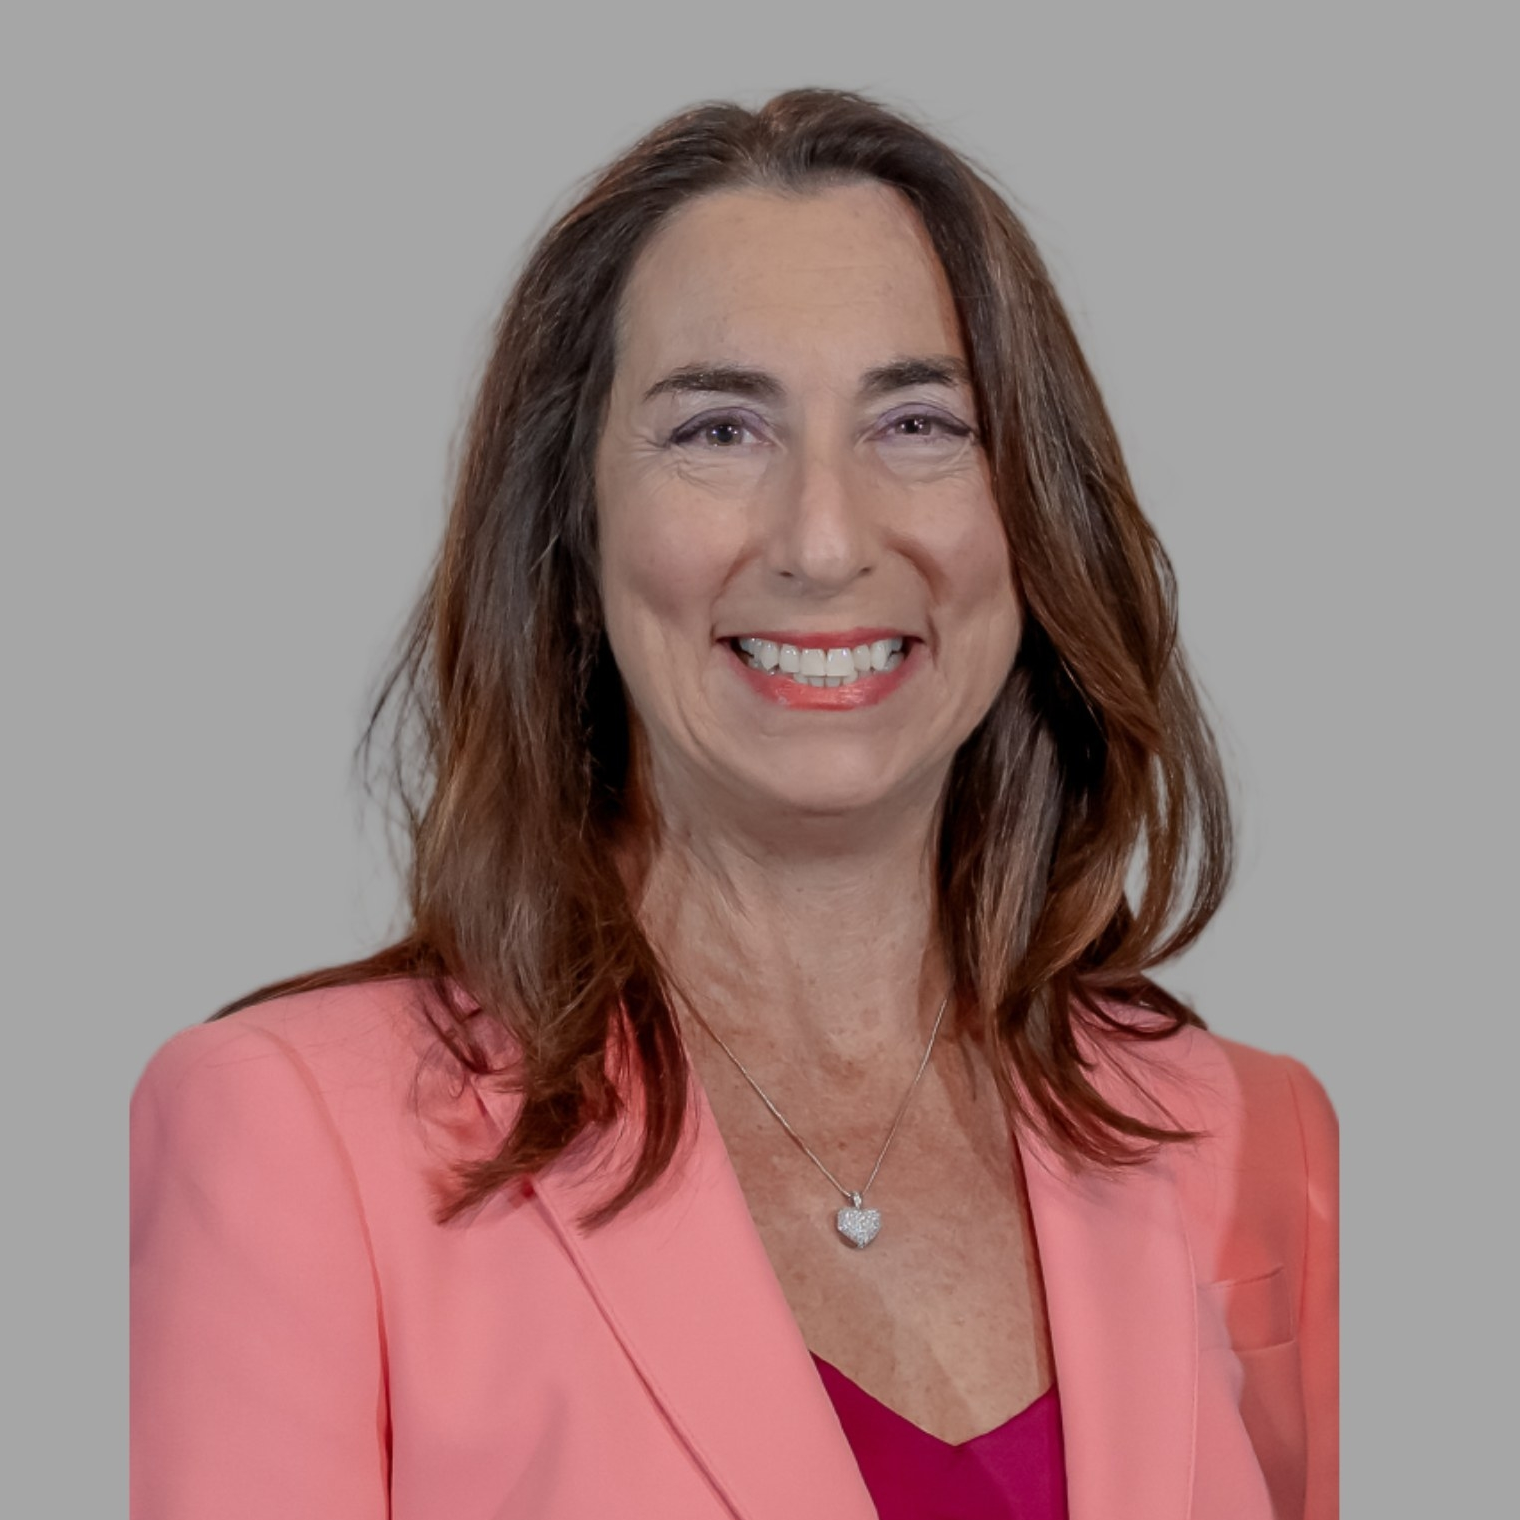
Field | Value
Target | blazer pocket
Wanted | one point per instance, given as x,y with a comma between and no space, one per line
1246,1313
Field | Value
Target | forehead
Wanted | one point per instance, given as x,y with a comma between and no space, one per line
847,271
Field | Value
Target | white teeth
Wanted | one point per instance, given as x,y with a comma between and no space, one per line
811,666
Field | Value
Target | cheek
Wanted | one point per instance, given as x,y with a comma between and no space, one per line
974,568
663,566
994,590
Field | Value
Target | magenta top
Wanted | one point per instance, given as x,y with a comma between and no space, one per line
1013,1472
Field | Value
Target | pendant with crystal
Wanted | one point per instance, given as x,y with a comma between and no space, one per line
858,1224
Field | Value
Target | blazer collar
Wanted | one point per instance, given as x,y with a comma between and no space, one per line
685,1284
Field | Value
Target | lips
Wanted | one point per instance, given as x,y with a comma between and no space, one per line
822,671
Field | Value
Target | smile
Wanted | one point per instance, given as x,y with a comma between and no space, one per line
841,671
807,665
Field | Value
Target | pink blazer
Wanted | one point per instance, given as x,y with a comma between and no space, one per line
306,1342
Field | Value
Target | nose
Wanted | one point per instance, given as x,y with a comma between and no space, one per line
820,535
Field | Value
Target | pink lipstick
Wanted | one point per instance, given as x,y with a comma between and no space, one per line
836,671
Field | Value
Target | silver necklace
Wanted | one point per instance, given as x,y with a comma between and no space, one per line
858,1224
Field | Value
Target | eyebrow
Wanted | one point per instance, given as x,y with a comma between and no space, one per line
759,385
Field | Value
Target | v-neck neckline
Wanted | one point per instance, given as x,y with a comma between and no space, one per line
1029,1410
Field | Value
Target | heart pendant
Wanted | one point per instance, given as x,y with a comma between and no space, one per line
858,1225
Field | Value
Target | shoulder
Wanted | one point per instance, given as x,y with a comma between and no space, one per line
341,1037
1265,1163
1238,1093
359,1066
331,1036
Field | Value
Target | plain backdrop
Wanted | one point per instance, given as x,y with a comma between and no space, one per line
251,255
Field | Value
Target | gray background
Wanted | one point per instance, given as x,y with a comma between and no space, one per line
251,258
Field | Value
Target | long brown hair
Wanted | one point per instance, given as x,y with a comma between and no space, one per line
509,731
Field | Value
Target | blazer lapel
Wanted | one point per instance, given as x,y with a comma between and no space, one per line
1120,1296
685,1283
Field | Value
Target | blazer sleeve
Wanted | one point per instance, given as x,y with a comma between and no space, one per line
257,1364
1319,1294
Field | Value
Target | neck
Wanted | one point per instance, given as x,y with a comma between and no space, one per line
816,942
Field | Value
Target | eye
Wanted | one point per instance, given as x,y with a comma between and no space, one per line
721,431
926,425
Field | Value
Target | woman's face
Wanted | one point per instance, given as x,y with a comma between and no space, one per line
806,582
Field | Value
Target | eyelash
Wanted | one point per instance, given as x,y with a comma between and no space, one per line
689,432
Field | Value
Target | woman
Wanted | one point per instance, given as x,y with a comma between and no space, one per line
769,1111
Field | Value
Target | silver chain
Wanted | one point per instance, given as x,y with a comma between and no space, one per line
849,1193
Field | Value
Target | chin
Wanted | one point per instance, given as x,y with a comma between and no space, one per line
822,791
